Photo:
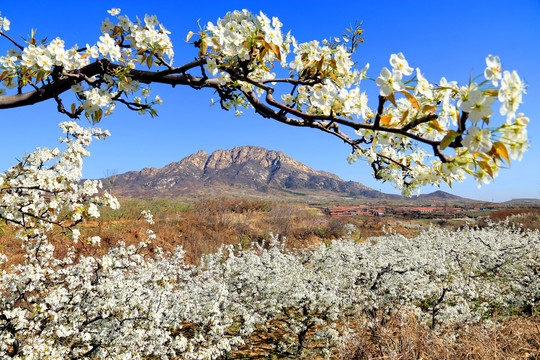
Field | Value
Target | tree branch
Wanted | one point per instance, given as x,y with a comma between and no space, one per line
101,67
13,41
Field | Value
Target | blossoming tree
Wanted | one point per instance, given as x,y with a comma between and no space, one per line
125,305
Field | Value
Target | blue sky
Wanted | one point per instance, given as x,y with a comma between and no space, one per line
442,38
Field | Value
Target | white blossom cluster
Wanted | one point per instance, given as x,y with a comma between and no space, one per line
485,146
328,85
126,305
45,189
129,43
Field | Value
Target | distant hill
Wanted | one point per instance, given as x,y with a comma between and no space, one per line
247,171
523,202
440,195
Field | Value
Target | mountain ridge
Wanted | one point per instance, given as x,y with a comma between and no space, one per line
249,171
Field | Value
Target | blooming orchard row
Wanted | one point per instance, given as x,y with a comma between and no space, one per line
420,132
126,305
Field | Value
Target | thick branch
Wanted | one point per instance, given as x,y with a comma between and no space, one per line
102,67
51,90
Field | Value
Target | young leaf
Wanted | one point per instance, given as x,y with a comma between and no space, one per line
501,149
39,76
435,125
392,99
385,120
494,93
485,166
203,48
412,99
429,109
447,140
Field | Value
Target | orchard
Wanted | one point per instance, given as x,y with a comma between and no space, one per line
130,305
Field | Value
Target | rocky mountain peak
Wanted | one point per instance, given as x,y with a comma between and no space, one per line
241,155
246,167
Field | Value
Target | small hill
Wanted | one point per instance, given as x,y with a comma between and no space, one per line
439,196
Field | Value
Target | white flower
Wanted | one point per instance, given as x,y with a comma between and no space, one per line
478,140
510,93
106,26
390,82
493,70
114,11
76,234
93,211
477,105
423,86
125,23
398,62
288,99
94,240
4,23
108,47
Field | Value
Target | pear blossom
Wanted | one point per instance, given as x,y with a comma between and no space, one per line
390,81
106,26
324,81
422,86
287,99
399,62
478,106
125,23
493,70
108,47
510,93
114,11
4,23
477,140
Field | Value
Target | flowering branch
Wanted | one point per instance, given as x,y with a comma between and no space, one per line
414,118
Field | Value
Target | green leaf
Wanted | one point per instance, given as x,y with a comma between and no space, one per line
96,116
39,76
447,140
434,124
